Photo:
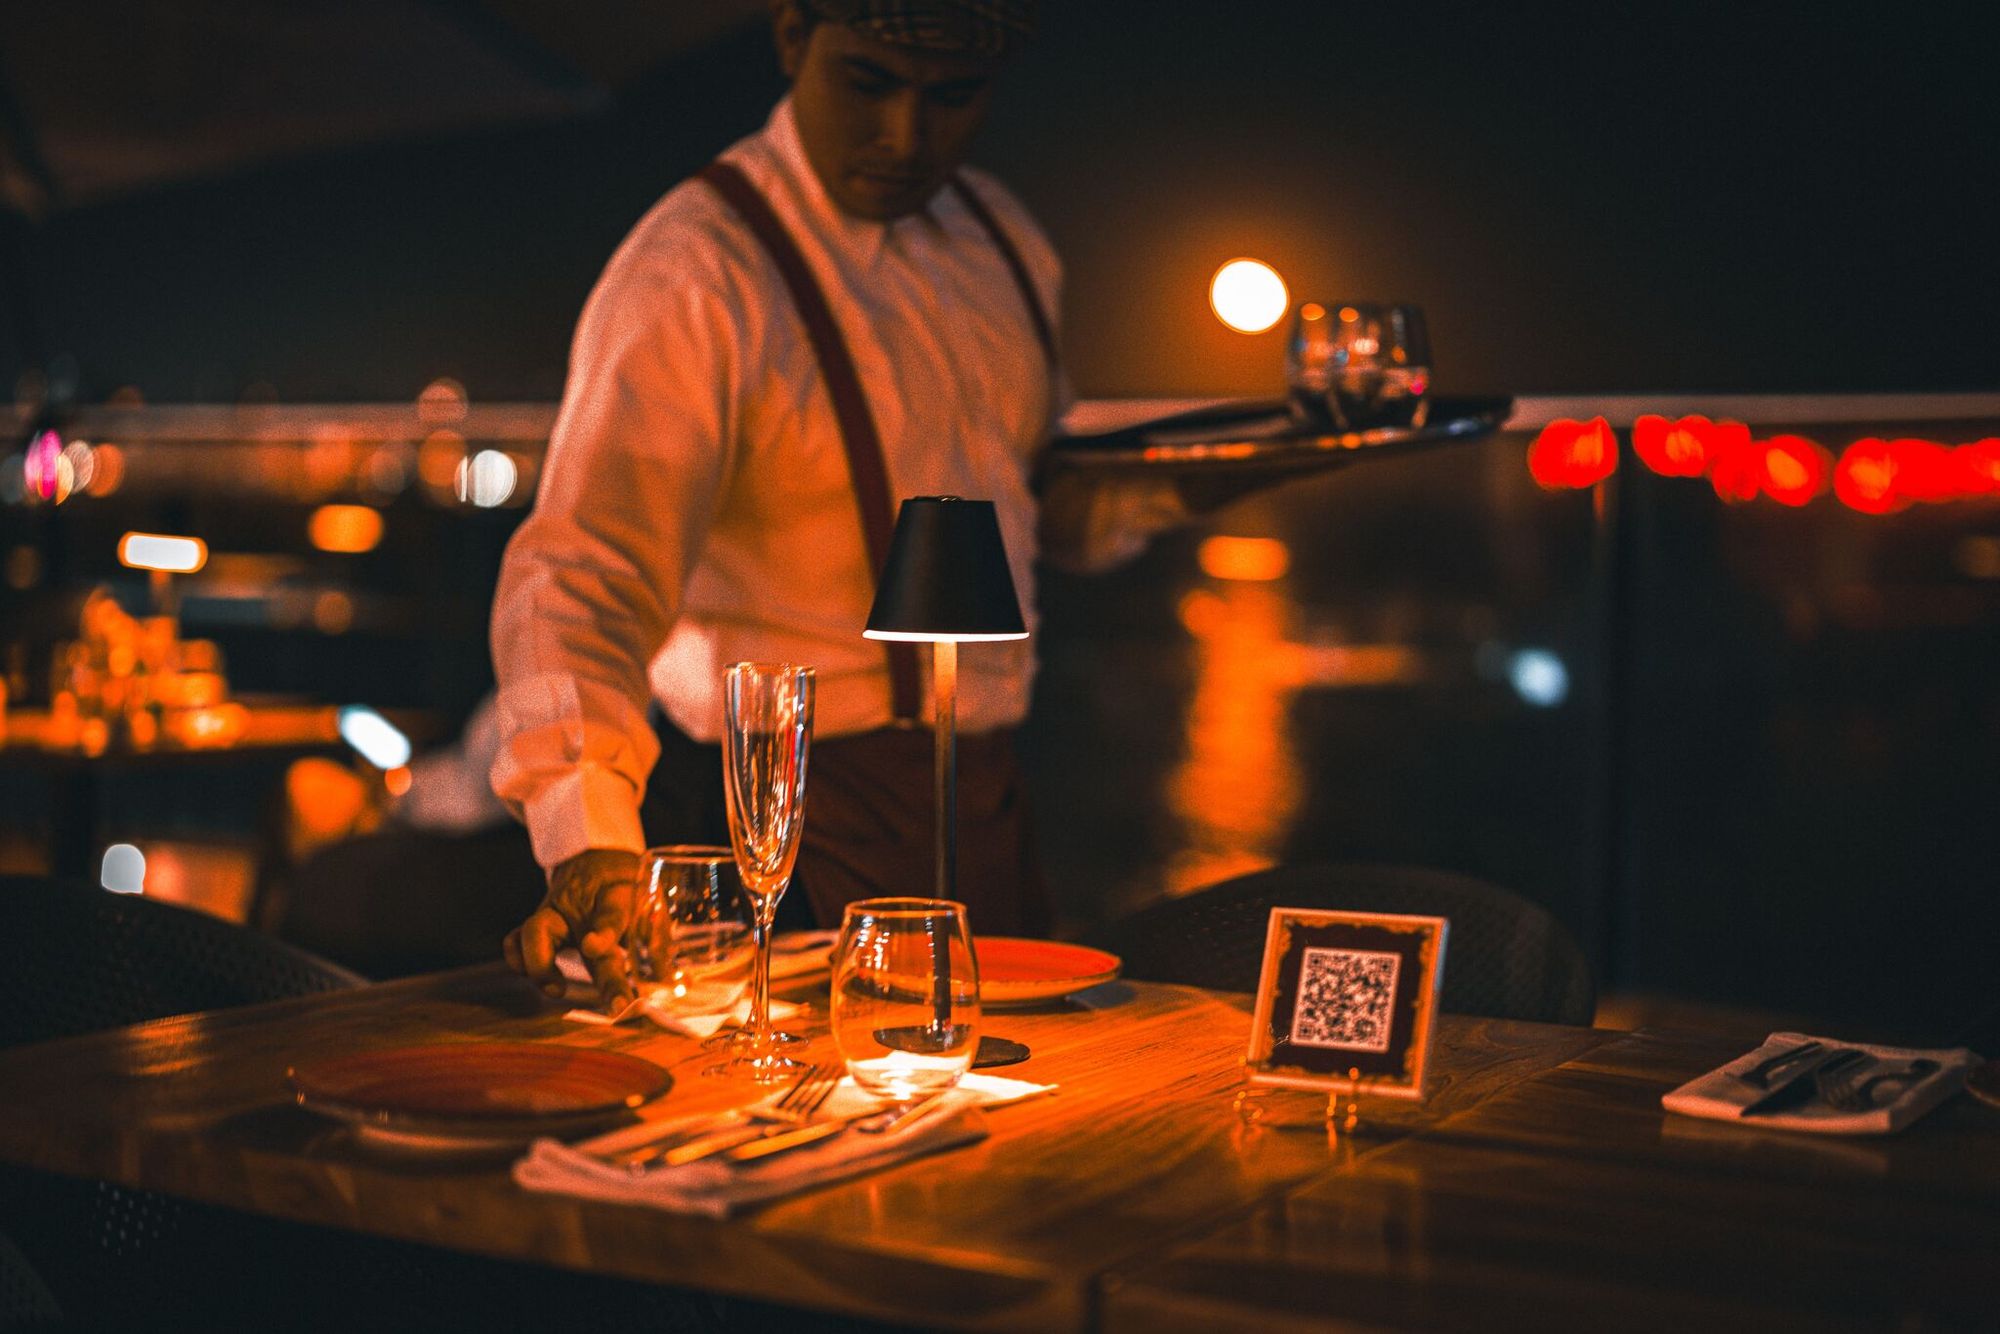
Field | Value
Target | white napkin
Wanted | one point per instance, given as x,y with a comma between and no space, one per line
1720,1095
717,1187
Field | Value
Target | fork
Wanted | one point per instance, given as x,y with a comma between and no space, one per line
1760,1075
1853,1089
806,1095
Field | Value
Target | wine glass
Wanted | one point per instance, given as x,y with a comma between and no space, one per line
689,942
906,996
767,730
1355,367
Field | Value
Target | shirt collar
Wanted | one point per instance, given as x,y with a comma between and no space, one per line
861,237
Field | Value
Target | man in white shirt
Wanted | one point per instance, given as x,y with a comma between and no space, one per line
708,495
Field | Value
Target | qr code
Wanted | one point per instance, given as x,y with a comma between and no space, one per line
1346,999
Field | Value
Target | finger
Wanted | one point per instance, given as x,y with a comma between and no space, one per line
540,936
603,942
510,950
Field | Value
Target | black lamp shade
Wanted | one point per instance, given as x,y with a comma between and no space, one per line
947,576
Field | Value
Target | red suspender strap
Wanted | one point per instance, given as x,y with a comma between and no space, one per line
865,464
976,206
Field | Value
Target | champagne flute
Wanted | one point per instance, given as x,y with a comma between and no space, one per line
767,730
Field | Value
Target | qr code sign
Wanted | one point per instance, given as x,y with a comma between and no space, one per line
1346,999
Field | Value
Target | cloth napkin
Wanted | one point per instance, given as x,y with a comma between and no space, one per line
717,1187
1721,1095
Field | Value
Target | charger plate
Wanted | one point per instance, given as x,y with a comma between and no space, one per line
1260,434
1014,971
476,1093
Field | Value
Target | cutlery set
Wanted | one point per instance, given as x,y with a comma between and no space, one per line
1845,1079
746,1135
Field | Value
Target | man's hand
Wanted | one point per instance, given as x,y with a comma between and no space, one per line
589,903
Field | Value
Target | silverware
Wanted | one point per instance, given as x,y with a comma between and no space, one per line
885,1122
1798,1087
866,1123
1759,1076
1853,1089
805,1096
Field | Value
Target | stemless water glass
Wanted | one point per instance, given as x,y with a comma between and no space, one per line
767,730
1355,367
905,995
689,943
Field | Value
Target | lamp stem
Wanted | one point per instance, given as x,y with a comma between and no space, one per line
945,726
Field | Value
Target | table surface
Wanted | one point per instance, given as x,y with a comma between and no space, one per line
1139,1193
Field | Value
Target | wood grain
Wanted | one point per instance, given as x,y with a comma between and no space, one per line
1571,1199
1143,1146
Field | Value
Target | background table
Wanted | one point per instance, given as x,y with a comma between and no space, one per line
1139,1149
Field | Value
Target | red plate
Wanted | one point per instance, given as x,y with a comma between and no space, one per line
1013,971
486,1091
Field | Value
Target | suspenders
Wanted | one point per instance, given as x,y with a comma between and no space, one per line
858,436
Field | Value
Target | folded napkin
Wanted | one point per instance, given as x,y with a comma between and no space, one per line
1722,1094
718,1187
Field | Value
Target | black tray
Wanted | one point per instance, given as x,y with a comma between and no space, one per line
1262,433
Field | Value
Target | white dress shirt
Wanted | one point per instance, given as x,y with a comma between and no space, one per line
696,507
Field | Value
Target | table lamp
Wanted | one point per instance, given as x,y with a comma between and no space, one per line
946,582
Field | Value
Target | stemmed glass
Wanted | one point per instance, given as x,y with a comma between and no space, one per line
767,730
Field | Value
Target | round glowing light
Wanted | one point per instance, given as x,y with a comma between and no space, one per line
158,551
1252,559
1248,295
124,870
379,741
1538,677
345,528
487,479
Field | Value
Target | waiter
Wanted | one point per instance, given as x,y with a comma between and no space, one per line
833,316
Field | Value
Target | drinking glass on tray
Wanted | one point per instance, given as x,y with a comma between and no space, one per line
1355,367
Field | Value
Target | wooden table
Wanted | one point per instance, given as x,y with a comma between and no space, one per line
1141,1147
1570,1200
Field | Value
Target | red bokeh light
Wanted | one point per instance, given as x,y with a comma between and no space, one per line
1865,477
1674,448
1794,468
1735,464
1573,454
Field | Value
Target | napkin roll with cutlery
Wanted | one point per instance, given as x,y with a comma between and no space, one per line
1778,1085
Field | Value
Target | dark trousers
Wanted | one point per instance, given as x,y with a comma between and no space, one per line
407,900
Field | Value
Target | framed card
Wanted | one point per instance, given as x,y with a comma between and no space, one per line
1347,1001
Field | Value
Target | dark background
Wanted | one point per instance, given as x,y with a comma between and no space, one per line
1584,197
1771,779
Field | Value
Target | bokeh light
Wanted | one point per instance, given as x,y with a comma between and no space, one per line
487,479
345,528
1248,295
157,551
1251,559
124,869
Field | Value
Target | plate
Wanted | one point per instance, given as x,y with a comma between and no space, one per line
1261,433
476,1092
1014,971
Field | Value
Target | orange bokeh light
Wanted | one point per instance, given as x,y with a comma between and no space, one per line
1248,295
1865,477
1251,559
345,528
1673,448
1795,469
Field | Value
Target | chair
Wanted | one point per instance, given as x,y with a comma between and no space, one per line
1505,958
77,959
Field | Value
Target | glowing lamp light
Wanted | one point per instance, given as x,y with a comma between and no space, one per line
345,528
379,741
124,869
1573,454
1865,478
1538,677
161,553
1735,464
1248,295
1251,559
1926,470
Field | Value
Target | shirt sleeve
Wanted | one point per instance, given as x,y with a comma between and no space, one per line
592,580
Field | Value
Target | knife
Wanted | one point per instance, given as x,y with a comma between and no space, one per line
1797,1088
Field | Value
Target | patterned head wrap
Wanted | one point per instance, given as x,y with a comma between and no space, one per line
973,27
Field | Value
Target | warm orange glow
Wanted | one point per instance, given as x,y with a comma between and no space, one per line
442,402
157,551
397,781
1673,449
1248,295
439,459
1573,454
108,470
333,612
345,528
1253,559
